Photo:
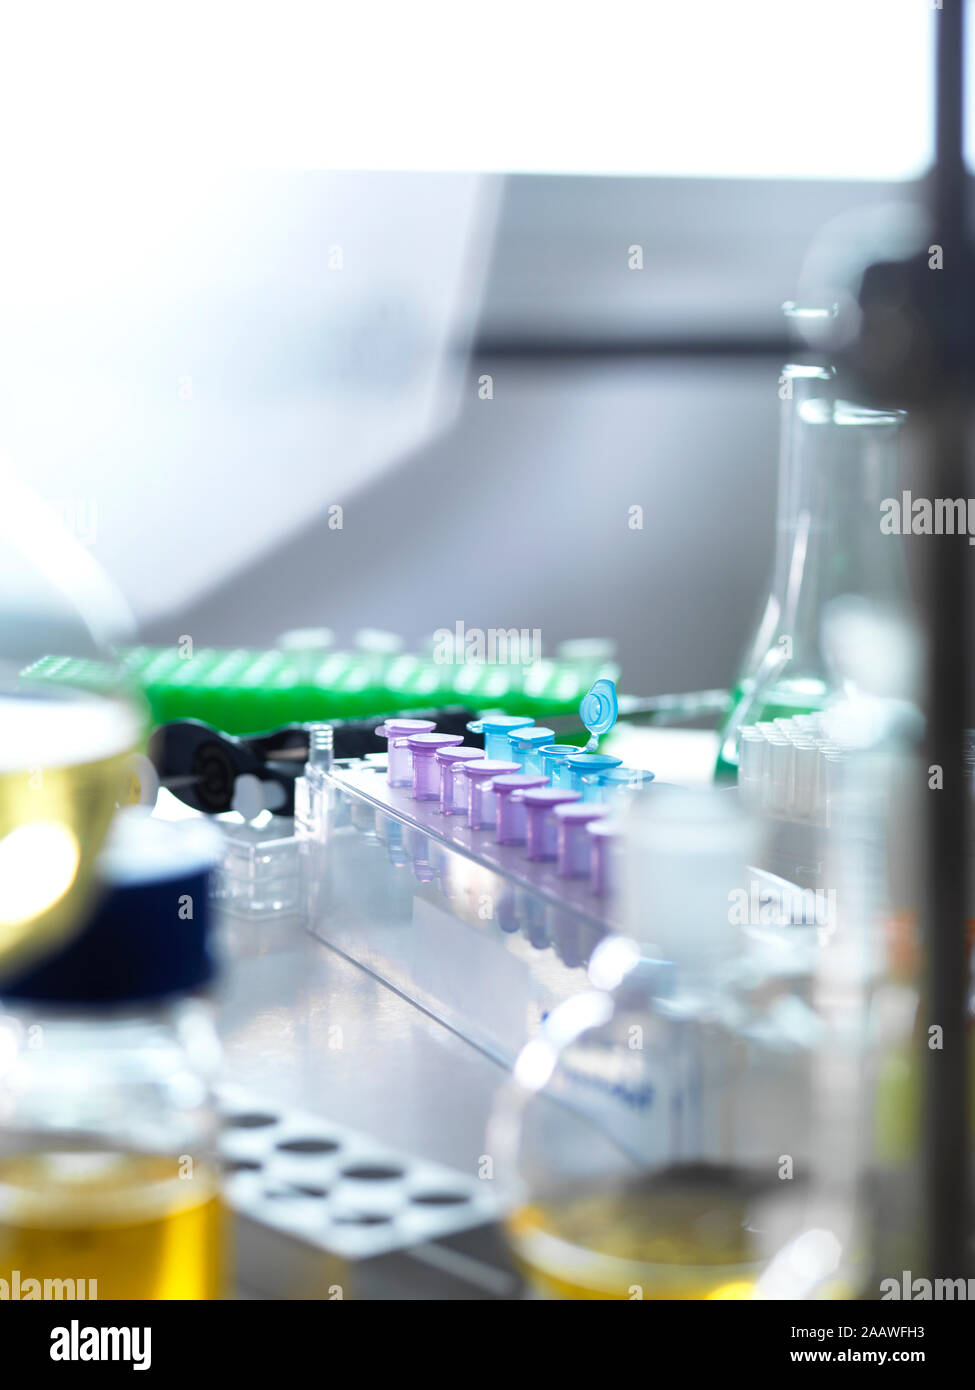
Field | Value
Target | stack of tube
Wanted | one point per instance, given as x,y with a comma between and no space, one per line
788,769
522,787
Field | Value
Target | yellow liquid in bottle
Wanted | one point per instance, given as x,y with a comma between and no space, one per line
683,1236
129,1222
64,764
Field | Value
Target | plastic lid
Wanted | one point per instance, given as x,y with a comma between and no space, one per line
559,749
533,736
488,767
431,742
599,707
593,762
518,781
549,796
581,813
603,827
400,728
499,723
456,755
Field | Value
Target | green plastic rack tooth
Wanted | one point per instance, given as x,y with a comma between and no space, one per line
246,691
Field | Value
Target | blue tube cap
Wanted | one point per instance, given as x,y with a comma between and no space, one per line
533,736
592,762
499,723
599,707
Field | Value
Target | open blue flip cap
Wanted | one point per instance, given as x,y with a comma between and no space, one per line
599,707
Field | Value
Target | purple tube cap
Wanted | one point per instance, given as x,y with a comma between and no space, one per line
402,728
459,755
510,782
549,796
488,767
601,829
431,742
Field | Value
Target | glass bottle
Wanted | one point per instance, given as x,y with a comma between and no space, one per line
657,1131
870,977
866,981
107,1131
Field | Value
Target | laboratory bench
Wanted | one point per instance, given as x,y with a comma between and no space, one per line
307,1031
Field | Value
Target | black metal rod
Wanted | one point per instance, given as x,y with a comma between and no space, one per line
943,922
945,607
556,348
947,184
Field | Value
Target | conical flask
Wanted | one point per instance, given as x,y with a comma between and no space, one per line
839,462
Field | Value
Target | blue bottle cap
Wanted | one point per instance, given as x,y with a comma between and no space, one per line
599,707
149,934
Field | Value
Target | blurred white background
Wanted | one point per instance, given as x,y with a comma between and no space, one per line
240,283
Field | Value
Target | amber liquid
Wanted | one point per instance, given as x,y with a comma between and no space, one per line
682,1236
129,1222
